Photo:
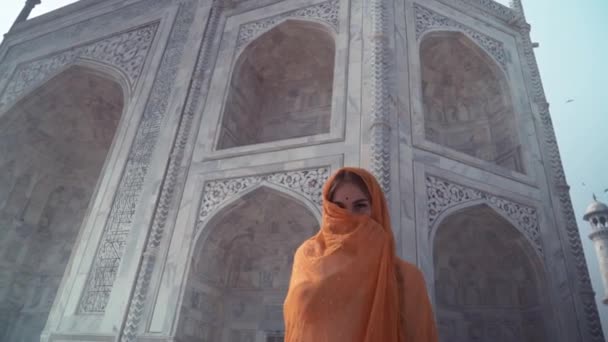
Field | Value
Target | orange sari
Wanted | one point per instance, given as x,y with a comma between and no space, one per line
347,283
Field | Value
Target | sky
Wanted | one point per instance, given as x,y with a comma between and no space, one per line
571,57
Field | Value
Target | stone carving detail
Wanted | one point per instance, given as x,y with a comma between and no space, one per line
216,192
380,104
326,11
428,20
174,175
126,51
108,256
555,171
83,28
309,183
442,195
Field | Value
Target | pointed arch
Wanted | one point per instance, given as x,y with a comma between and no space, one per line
466,38
104,70
311,23
467,100
79,65
281,86
237,198
479,203
488,278
241,263
65,127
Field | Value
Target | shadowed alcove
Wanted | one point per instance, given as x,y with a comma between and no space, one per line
489,283
53,144
467,103
241,268
281,86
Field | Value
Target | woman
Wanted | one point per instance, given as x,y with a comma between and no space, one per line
347,284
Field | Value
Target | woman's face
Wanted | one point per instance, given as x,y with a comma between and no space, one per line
350,197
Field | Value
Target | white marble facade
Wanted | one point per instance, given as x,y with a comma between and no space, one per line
160,160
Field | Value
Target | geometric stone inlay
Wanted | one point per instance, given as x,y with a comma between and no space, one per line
126,51
442,195
308,183
428,20
326,11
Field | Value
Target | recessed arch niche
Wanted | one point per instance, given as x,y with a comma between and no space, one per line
240,268
467,101
53,144
281,86
489,280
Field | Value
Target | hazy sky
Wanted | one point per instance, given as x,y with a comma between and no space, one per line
572,59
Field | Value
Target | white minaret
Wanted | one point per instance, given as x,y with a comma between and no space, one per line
597,215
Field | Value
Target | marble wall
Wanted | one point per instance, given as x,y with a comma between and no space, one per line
234,113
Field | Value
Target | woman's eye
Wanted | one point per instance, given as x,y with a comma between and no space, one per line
361,206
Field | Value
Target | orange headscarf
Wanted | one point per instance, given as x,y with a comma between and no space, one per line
344,286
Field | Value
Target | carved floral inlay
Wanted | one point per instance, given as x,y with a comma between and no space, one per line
442,195
428,20
326,11
308,183
126,51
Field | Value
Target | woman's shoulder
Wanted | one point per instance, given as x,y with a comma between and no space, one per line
311,247
410,272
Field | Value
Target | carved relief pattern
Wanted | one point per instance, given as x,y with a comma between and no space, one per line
556,172
309,183
428,20
126,51
118,225
326,11
442,195
174,175
380,102
82,28
216,192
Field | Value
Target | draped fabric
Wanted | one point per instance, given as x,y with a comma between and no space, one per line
348,285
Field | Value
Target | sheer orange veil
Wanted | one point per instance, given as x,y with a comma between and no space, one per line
343,285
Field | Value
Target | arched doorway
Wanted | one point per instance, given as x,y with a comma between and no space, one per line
467,103
281,86
489,281
53,145
241,267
